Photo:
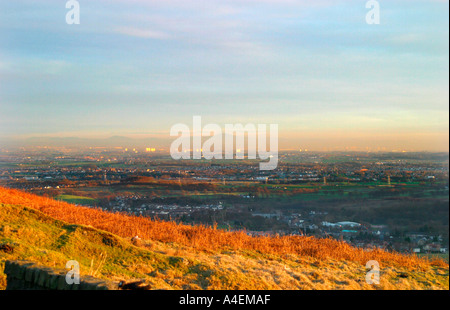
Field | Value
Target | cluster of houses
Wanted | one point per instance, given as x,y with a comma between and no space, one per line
426,244
360,235
124,204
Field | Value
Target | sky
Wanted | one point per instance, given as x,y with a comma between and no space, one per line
316,68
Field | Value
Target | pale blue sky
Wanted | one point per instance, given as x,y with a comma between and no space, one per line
313,67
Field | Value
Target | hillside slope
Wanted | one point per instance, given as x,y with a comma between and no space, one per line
173,256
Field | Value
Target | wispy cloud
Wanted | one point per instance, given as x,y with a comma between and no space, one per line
286,61
143,33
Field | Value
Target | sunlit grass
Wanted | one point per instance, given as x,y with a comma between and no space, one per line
52,232
204,237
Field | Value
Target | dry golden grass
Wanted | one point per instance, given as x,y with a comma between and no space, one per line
209,239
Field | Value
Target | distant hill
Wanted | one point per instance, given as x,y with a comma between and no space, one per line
76,142
175,256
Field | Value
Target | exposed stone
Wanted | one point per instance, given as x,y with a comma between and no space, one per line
7,248
29,273
24,275
53,279
62,284
135,286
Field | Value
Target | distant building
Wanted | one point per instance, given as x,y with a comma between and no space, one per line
433,248
348,224
328,224
266,215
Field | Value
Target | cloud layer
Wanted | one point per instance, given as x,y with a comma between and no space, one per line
140,66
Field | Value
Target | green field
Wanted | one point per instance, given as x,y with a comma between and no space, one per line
77,199
339,191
